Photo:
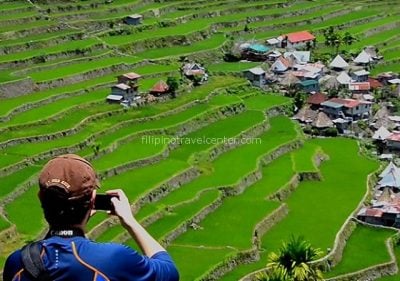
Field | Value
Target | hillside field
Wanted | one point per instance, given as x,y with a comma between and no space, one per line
228,206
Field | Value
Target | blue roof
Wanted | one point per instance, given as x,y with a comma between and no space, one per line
259,48
332,104
306,83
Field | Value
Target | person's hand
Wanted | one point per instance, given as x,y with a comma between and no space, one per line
122,207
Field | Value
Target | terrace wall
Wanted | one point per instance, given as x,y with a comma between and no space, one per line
17,88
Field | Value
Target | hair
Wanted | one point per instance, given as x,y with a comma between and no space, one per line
60,210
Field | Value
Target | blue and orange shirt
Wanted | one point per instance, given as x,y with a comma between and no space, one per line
78,258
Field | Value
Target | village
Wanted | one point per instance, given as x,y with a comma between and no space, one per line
336,98
385,205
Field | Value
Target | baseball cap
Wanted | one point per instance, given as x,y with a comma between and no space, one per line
71,173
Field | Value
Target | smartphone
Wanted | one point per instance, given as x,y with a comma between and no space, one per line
103,202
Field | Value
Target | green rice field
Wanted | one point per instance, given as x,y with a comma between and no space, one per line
199,198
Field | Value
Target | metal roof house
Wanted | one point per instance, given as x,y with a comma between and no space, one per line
134,19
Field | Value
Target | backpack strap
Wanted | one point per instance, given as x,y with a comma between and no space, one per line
33,263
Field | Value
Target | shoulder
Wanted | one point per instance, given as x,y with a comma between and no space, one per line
118,253
12,265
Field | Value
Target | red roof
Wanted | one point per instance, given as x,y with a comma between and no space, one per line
359,86
374,84
160,87
301,36
131,75
394,137
373,213
284,61
317,99
346,102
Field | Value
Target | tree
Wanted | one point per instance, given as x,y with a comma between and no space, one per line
173,84
300,98
348,39
292,262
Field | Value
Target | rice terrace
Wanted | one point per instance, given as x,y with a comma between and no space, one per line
233,126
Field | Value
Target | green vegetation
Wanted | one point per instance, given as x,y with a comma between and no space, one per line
72,54
356,251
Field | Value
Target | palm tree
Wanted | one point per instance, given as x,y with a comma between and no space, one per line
293,261
275,275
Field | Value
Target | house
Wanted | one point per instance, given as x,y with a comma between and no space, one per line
121,92
393,141
390,168
371,215
360,75
280,65
256,76
272,56
395,81
254,51
300,57
344,78
258,48
316,119
322,121
309,85
346,108
372,51
386,76
297,39
115,98
338,64
315,100
363,58
193,69
329,83
309,70
289,80
273,42
135,19
359,87
374,83
159,89
131,79
342,125
306,115
362,97
381,134
390,180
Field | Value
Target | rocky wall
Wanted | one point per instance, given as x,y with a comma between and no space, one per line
17,88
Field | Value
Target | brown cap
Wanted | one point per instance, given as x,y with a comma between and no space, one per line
71,173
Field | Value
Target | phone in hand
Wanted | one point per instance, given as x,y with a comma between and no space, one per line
103,202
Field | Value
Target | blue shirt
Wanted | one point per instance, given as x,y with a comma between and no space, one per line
79,258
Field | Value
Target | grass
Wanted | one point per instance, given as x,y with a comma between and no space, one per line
265,101
203,258
65,71
227,128
181,214
205,45
358,254
339,188
10,182
303,159
25,206
19,152
223,173
65,47
123,154
396,276
231,66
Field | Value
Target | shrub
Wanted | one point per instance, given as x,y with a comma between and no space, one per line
330,132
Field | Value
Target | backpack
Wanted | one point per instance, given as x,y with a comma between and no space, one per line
33,263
